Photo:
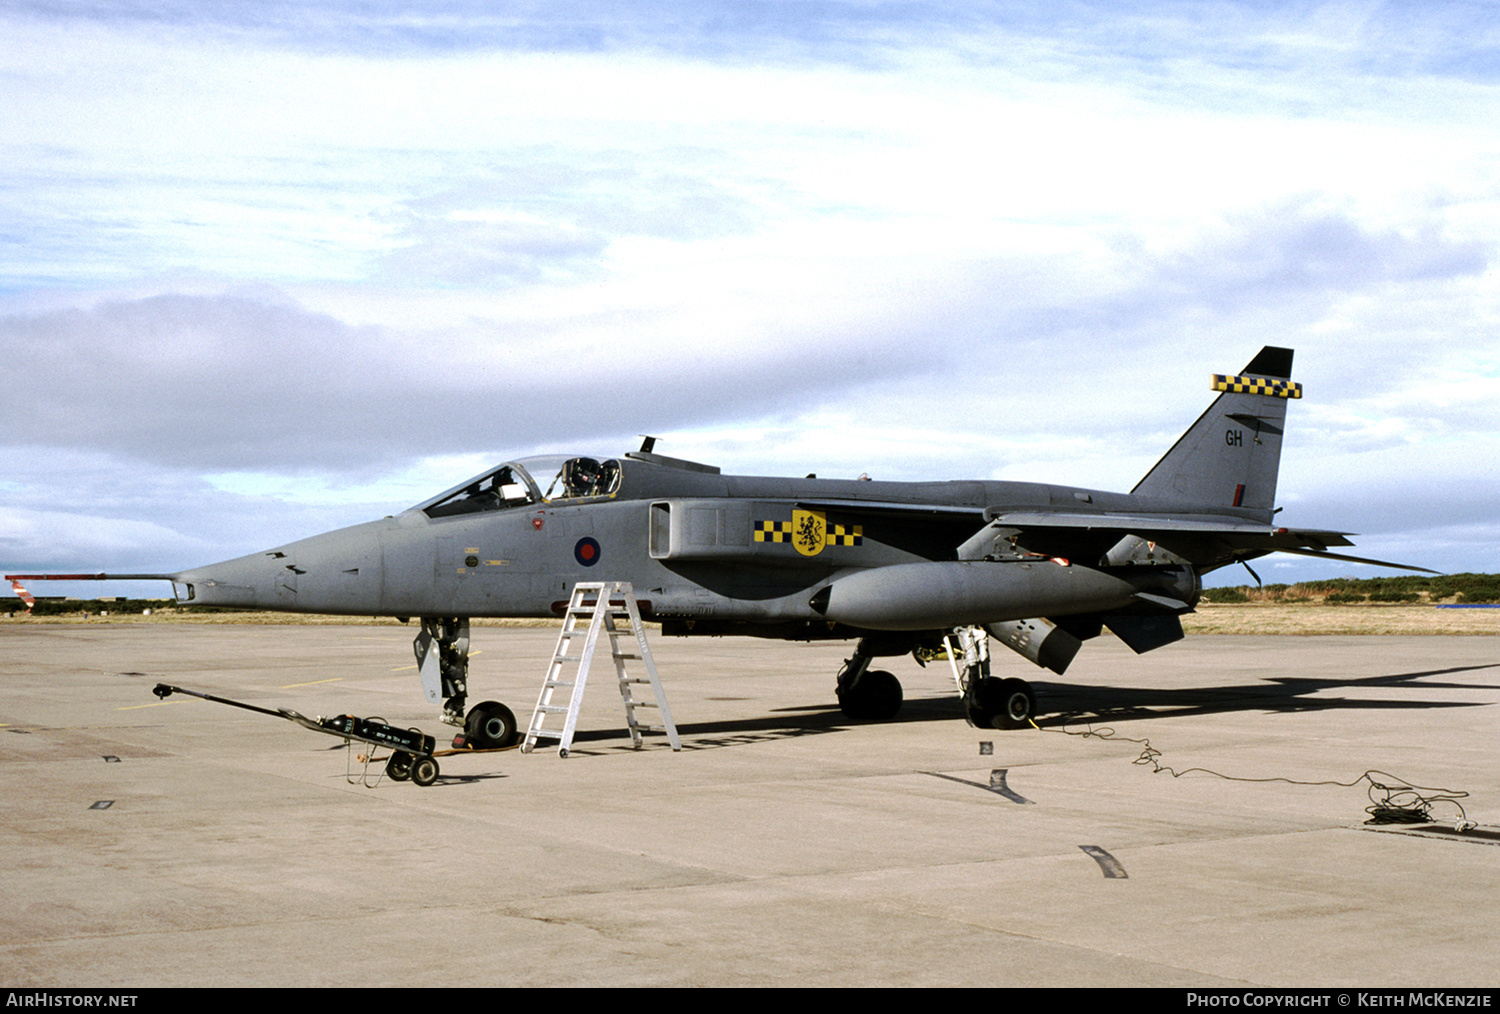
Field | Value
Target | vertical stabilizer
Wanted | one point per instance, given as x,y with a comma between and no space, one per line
1231,455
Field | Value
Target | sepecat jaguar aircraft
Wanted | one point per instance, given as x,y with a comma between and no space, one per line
897,567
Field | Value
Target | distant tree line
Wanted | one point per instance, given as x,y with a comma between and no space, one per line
70,607
1455,588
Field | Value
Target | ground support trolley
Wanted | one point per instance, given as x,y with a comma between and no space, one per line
411,750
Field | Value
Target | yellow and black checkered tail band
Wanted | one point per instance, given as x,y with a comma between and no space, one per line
1257,385
773,531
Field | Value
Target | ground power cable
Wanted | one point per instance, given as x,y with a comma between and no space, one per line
1393,800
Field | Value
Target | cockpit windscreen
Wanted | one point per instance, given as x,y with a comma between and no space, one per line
519,483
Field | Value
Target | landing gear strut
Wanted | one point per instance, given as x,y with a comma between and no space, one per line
989,702
865,693
442,650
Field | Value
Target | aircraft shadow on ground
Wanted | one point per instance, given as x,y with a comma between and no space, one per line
784,723
1064,702
1061,703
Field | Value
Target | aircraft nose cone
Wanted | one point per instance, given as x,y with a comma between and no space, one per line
248,582
336,572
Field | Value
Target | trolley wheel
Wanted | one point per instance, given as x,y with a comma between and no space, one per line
398,768
424,771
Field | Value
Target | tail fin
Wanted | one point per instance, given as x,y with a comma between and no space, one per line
1231,455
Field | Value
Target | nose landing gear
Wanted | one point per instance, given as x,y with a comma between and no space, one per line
490,726
442,650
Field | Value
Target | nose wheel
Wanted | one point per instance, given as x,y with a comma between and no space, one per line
490,726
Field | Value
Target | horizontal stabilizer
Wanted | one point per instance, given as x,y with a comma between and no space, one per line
1356,559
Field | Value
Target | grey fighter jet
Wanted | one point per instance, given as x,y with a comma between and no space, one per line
896,567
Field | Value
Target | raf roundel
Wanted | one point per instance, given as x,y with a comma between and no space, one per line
586,551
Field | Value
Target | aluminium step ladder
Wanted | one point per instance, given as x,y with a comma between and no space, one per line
598,607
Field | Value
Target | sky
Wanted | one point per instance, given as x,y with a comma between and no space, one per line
270,269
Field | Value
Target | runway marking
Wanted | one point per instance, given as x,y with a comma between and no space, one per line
997,784
293,686
153,704
1108,863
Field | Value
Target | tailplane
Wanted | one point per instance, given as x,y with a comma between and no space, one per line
1231,455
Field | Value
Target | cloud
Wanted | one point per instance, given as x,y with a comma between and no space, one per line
60,536
1291,252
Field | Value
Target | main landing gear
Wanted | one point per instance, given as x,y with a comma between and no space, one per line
989,702
442,650
865,693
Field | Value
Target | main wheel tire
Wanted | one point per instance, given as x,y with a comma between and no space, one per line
876,697
398,768
424,771
1019,704
490,726
1001,704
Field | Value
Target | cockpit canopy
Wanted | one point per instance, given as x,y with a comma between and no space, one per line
520,483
